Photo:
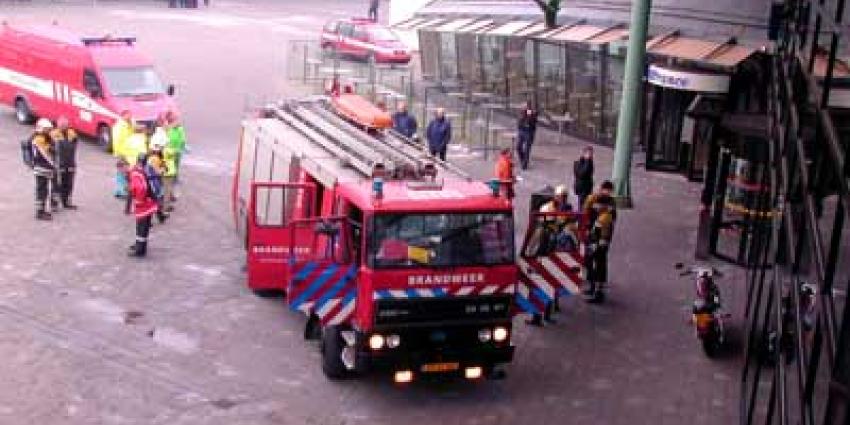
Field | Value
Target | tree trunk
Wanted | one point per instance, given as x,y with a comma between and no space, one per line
550,17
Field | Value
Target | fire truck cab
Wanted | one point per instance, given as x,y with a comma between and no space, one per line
399,261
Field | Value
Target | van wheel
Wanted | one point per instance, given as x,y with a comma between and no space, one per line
23,113
332,345
104,137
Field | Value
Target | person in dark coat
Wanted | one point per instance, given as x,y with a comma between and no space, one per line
583,174
439,134
403,122
373,9
526,129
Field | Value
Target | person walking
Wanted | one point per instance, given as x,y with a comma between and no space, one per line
135,145
373,9
526,129
601,211
439,134
143,206
404,122
43,166
505,172
65,143
583,175
155,171
121,130
176,141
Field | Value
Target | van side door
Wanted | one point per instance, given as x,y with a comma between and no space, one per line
85,116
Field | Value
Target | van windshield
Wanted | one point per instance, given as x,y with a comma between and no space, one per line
382,34
132,81
441,240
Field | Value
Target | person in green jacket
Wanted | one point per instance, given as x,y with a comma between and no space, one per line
177,143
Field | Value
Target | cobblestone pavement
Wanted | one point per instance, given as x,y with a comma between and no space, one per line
88,336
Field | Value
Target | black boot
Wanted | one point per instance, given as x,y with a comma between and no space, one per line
547,313
43,215
590,291
536,320
68,205
137,250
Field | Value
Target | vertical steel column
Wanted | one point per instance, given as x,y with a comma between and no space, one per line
635,58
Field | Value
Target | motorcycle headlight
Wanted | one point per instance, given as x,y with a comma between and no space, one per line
485,335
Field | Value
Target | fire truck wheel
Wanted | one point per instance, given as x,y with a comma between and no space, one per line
104,137
332,345
23,113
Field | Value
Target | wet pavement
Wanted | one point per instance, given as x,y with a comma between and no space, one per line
89,336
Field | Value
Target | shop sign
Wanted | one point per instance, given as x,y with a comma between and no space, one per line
687,80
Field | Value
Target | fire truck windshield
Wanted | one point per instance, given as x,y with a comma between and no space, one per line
441,240
132,81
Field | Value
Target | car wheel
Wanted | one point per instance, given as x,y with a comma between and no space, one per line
23,113
104,137
332,345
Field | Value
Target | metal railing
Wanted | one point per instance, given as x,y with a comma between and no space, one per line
797,368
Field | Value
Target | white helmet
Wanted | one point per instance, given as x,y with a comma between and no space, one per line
43,124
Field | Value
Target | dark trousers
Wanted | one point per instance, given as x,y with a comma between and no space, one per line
439,153
523,147
597,265
143,228
42,188
66,186
581,198
373,14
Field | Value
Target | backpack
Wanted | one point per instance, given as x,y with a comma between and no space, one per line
27,154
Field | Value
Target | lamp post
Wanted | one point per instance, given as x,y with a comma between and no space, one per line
630,104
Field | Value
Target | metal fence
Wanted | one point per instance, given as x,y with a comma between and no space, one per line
479,122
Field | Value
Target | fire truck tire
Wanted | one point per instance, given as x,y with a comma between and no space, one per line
104,137
332,345
23,113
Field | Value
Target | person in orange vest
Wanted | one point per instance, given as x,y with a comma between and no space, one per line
505,172
144,205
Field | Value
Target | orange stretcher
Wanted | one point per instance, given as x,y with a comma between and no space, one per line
361,111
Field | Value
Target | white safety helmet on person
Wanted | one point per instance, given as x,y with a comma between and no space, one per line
43,124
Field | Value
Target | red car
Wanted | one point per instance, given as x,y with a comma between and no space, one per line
364,39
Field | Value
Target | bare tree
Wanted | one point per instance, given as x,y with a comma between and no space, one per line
550,11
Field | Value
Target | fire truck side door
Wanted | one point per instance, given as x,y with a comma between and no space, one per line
271,238
323,274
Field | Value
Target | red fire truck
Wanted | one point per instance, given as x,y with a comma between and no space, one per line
399,261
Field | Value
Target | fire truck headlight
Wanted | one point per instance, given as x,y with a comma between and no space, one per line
393,341
500,334
485,335
376,342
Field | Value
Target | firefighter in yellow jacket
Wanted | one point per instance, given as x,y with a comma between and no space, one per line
601,212
121,131
43,166
65,145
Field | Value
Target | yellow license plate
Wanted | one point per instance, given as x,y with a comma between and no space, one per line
440,367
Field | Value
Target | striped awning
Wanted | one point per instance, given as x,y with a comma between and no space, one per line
510,28
719,53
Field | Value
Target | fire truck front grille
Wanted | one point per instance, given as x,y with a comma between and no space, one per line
431,310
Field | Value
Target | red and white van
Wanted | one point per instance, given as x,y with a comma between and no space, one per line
47,71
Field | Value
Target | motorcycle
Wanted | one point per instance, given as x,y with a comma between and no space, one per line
706,310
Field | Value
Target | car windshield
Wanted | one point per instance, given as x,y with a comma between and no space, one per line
382,34
132,81
441,240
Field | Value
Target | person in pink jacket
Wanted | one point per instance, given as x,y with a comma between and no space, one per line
144,206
